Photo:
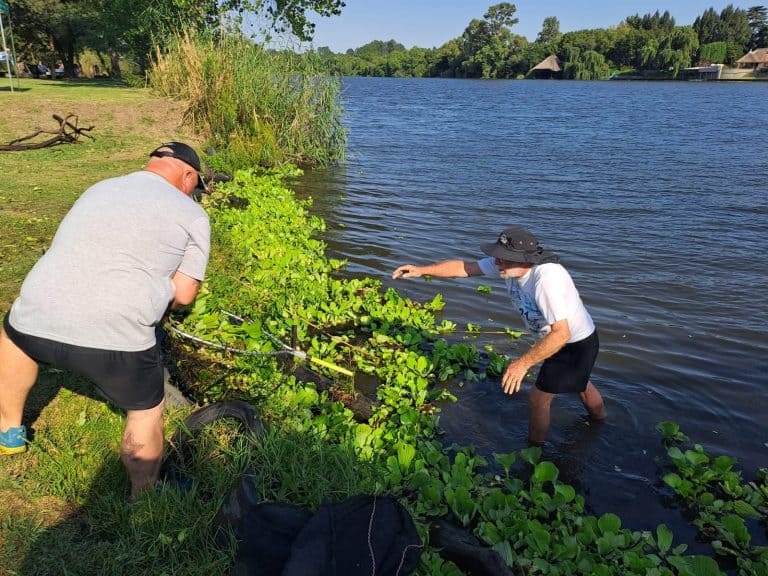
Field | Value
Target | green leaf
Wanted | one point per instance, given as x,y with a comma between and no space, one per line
545,472
745,509
405,454
664,538
504,550
609,523
735,525
566,492
695,565
673,480
505,460
531,455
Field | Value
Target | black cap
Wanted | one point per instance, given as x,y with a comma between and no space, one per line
178,150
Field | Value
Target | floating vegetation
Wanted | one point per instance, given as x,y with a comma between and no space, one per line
269,267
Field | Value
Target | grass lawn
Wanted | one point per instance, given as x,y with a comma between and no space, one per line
62,504
37,187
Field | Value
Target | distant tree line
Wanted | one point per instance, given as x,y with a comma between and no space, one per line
489,48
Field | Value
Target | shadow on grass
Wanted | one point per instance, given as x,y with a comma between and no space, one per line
26,84
49,383
90,83
167,531
73,545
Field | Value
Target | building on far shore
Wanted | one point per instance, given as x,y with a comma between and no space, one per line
755,60
752,65
550,67
711,72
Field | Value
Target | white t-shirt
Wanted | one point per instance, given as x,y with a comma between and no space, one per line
105,281
545,295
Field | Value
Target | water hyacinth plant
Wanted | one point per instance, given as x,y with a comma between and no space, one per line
269,267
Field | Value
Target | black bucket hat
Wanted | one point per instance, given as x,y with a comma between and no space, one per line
516,244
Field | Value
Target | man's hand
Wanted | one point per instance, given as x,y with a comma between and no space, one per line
186,289
407,271
514,375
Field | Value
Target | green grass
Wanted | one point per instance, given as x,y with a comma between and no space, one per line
63,505
63,501
39,186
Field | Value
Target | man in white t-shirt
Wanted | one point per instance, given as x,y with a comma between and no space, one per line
546,298
129,248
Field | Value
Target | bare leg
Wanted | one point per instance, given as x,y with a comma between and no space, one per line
593,402
142,447
18,373
538,425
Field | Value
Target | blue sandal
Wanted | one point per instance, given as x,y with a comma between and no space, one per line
13,441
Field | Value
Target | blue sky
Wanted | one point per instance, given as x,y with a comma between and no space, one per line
430,23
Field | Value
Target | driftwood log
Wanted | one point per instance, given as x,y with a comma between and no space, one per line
68,132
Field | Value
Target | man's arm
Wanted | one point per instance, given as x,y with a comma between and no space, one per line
543,349
445,269
186,289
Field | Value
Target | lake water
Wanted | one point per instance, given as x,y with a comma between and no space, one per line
653,194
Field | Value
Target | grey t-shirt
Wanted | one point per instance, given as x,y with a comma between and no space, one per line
105,281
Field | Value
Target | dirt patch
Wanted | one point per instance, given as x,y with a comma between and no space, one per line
129,112
47,510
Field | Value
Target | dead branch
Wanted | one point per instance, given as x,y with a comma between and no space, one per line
68,132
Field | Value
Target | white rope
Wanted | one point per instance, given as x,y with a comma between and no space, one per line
370,542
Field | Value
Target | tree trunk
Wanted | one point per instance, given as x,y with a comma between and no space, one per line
115,60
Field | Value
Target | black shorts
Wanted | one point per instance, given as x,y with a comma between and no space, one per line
568,370
129,380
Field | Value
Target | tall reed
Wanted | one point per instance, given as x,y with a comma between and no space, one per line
255,106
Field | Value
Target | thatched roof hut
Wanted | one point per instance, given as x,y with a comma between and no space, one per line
754,59
550,67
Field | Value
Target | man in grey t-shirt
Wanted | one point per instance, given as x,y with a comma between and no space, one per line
129,248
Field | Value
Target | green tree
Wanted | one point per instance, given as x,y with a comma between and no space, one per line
290,15
52,30
730,26
597,39
648,54
378,48
655,22
489,48
500,16
627,50
714,52
678,49
447,60
550,31
584,65
708,27
757,16
132,27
